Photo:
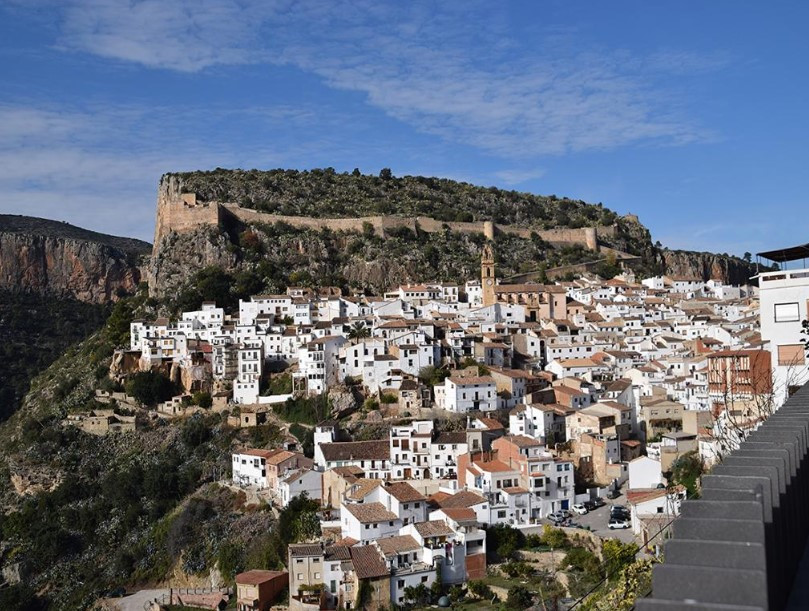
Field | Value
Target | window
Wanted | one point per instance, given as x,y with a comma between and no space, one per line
501,514
299,561
401,583
418,505
317,575
791,354
424,579
300,576
333,586
787,312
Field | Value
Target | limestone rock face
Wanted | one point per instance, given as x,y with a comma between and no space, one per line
707,265
57,259
179,256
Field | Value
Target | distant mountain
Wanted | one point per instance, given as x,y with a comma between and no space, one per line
54,258
55,283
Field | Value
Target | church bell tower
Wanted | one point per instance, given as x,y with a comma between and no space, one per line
487,278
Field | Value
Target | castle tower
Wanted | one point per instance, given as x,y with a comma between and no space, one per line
487,277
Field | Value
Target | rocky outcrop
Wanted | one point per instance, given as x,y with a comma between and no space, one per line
178,256
53,258
707,265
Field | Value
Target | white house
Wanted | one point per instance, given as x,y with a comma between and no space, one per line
366,522
298,482
250,468
783,305
465,394
645,472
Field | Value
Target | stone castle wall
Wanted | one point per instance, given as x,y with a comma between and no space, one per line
181,212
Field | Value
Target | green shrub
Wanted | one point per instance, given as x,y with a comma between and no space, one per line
150,387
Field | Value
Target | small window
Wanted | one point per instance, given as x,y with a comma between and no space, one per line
787,312
791,354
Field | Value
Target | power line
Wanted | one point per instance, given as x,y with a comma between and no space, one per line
604,565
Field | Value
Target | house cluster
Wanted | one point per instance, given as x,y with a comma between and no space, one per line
604,383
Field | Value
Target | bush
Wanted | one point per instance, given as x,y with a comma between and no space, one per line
517,568
150,387
519,598
502,542
203,399
554,537
480,590
583,560
388,399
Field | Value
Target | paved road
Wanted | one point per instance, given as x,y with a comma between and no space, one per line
598,519
135,602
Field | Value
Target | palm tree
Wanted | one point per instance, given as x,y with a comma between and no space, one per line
358,331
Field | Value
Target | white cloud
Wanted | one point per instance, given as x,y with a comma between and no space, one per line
436,68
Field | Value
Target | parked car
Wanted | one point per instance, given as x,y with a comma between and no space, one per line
580,508
613,494
590,505
557,517
618,510
618,523
599,502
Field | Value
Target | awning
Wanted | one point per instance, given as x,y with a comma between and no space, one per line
787,254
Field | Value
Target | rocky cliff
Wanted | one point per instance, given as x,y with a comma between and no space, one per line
707,265
58,259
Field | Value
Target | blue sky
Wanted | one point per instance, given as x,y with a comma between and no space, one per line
691,114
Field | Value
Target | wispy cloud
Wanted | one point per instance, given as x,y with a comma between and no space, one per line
517,176
98,166
433,67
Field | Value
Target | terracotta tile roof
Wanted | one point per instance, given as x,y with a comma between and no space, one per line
642,495
451,437
434,528
438,498
404,492
462,515
391,546
305,549
471,380
368,562
356,450
522,441
491,466
368,513
464,498
491,424
350,471
362,488
515,490
339,549
260,453
257,576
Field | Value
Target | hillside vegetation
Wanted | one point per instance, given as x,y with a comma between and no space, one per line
84,514
34,331
326,193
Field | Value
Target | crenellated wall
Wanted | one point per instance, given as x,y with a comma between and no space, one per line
181,212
